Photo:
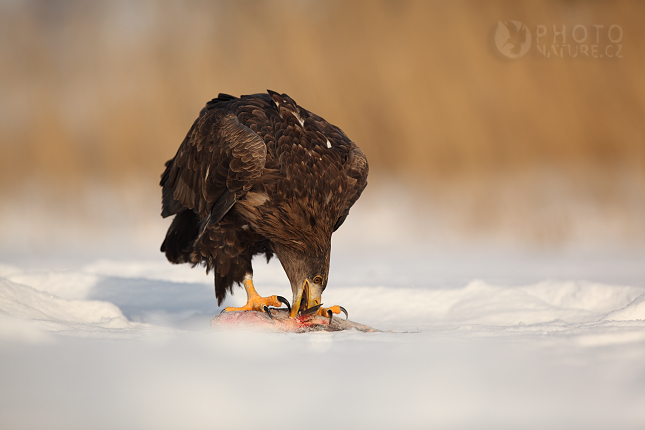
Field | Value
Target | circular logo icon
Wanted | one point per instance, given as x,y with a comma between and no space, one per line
512,39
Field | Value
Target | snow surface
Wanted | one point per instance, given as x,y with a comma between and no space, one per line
127,344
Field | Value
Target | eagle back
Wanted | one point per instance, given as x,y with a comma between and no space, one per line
290,173
313,173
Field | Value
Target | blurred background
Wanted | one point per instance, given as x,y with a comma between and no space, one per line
467,148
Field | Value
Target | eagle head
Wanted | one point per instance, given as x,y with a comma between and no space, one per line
307,270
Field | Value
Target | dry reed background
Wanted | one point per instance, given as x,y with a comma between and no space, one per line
95,96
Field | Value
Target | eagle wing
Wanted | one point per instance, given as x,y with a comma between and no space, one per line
356,169
215,166
354,164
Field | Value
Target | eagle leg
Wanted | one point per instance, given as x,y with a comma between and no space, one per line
328,312
254,302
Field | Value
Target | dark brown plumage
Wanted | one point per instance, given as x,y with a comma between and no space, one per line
260,175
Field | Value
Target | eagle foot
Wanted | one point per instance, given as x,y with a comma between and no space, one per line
281,299
255,302
333,310
260,304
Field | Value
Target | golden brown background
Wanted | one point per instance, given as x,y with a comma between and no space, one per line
96,96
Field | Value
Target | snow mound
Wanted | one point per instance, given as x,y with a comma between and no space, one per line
105,297
48,312
63,284
480,303
633,311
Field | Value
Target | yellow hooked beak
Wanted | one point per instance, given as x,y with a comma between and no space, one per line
304,298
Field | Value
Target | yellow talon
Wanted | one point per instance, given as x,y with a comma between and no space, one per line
254,301
327,312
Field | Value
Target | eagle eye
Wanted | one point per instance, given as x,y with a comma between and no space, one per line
318,280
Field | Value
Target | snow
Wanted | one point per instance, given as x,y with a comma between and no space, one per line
97,334
127,343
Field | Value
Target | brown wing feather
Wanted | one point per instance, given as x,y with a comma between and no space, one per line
357,170
214,167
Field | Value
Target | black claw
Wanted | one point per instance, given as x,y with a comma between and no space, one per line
265,308
329,313
223,310
286,302
345,312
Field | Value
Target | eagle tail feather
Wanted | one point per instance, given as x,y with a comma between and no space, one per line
181,235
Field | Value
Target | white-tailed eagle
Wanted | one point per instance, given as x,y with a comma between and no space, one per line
261,175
